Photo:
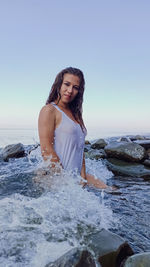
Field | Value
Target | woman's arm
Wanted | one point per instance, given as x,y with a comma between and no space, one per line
83,169
46,127
91,180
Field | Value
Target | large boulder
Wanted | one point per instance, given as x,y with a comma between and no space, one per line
144,143
120,167
100,143
138,260
75,257
125,150
13,151
95,154
109,248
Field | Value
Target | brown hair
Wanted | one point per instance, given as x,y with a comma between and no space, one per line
76,105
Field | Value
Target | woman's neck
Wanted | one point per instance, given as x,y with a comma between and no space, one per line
62,105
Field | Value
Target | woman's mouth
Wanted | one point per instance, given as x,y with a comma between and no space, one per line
68,96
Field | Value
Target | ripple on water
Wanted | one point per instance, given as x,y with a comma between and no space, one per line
132,207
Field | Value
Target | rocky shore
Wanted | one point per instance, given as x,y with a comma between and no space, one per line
126,156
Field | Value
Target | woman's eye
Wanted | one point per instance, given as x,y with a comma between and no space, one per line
67,84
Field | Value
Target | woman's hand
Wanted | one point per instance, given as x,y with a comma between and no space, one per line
91,180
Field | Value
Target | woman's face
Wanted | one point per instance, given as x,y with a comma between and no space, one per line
69,88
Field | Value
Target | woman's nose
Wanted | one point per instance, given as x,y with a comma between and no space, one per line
70,89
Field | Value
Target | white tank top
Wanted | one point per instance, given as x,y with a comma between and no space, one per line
69,141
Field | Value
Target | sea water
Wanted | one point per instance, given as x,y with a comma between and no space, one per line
43,216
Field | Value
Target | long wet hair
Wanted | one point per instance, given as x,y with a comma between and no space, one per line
75,105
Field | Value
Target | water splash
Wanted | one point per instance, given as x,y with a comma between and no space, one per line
61,216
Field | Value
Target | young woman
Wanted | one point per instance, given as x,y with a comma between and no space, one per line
61,127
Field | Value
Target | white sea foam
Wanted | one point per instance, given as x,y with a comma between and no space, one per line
33,229
61,218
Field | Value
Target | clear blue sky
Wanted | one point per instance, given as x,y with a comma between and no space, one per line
108,40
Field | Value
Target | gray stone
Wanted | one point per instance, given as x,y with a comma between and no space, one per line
139,137
125,139
138,260
109,248
96,154
148,153
120,167
1,156
125,150
74,258
100,143
30,148
143,143
136,137
87,148
146,162
87,142
132,137
13,151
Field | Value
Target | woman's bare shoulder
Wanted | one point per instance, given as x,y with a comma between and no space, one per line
47,113
48,108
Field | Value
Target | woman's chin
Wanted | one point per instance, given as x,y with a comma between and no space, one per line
66,100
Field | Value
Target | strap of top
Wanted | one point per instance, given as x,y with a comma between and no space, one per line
56,107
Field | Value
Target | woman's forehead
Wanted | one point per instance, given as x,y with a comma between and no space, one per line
71,78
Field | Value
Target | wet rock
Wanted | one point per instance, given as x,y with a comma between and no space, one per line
87,148
1,156
87,142
143,143
13,151
148,153
125,139
30,148
120,167
96,154
75,257
137,137
138,260
132,137
146,162
125,150
100,143
109,248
